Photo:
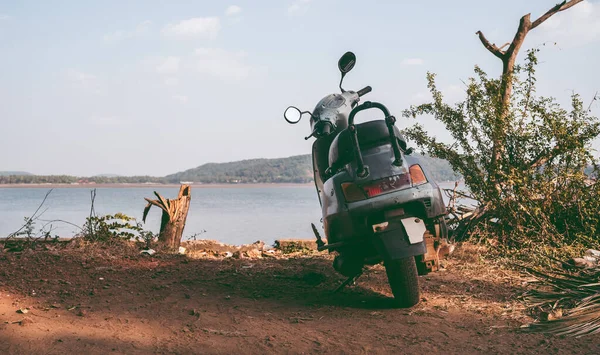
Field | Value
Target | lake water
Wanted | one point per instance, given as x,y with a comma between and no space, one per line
230,215
236,215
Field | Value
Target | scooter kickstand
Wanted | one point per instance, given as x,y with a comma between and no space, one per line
350,280
320,242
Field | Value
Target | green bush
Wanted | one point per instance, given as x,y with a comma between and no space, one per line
115,227
536,196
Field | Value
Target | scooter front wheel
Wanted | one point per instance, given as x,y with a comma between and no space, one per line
404,281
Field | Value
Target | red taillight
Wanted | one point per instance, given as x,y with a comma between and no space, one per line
372,190
353,192
416,175
386,185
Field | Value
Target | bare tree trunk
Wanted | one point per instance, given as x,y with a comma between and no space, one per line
508,58
174,215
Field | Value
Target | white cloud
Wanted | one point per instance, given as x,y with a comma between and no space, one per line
139,30
4,17
222,64
299,7
576,26
169,66
180,98
412,61
233,10
199,27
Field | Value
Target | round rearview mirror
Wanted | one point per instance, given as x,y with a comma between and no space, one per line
346,62
292,114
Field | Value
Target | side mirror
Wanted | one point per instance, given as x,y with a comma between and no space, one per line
346,63
292,115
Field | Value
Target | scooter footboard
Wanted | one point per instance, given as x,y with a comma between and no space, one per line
394,244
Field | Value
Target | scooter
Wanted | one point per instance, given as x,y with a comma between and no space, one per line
378,203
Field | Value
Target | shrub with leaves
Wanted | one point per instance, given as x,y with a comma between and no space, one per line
534,195
113,227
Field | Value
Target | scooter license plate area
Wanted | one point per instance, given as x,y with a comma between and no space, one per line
393,240
415,229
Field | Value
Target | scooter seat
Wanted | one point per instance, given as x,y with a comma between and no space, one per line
370,134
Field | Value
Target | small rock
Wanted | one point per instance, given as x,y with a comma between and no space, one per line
254,253
26,321
268,254
194,312
553,314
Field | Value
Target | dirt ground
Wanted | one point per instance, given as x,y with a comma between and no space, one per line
91,301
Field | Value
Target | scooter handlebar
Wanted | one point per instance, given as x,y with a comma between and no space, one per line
364,91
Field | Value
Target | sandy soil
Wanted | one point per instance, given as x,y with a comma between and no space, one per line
95,302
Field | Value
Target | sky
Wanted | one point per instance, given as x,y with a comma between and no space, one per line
144,87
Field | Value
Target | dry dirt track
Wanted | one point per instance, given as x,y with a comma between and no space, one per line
95,303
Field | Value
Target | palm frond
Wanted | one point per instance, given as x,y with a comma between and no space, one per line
576,294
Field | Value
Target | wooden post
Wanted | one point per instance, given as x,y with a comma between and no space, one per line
174,215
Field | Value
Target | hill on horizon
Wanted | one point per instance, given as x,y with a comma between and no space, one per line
16,173
294,169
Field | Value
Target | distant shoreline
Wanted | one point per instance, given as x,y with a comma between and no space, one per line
201,186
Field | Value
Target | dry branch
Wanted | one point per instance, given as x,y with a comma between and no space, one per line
489,46
558,8
508,58
32,218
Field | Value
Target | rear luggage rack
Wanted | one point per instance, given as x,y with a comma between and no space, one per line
362,170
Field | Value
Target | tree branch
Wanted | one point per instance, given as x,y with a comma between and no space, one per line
490,47
592,102
558,8
524,27
544,157
504,45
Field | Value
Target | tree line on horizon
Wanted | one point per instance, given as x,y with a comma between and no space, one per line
295,169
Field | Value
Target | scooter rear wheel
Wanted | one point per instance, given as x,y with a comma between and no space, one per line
404,281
